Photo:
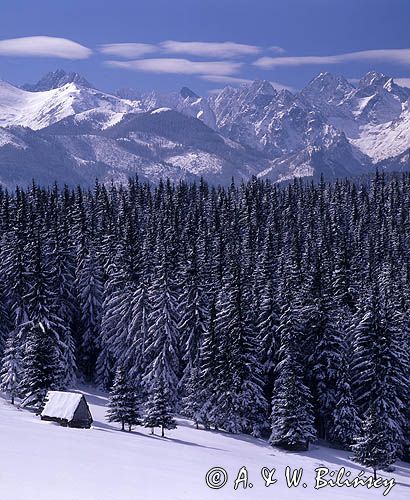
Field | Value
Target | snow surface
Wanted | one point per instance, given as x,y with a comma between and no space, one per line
384,140
198,162
61,404
350,127
8,139
40,109
160,110
41,460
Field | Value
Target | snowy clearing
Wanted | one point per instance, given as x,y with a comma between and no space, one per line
43,460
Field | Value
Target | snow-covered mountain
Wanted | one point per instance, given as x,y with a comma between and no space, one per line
295,132
74,132
37,110
185,101
374,116
56,79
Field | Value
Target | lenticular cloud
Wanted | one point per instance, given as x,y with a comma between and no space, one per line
44,46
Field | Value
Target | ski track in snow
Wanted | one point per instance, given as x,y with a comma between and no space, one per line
41,460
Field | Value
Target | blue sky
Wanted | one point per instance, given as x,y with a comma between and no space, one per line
204,44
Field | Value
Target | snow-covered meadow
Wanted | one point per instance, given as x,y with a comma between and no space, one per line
41,460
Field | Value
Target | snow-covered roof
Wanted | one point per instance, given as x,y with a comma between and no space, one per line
61,404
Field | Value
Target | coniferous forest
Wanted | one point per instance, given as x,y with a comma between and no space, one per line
257,308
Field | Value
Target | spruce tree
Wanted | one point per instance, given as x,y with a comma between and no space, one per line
192,401
374,447
162,346
240,404
41,365
193,314
345,422
292,418
325,360
114,338
10,371
158,409
201,393
90,289
123,402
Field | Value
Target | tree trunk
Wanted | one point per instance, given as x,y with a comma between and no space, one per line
12,399
375,474
162,431
197,425
152,431
122,425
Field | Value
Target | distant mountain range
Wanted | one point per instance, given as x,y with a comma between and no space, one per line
62,129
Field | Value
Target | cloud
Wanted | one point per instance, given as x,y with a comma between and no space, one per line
397,56
277,49
128,49
280,86
223,50
178,66
226,79
215,91
240,81
44,46
404,82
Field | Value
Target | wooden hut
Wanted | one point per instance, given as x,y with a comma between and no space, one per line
68,409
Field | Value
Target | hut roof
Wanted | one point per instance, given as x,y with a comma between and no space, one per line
61,404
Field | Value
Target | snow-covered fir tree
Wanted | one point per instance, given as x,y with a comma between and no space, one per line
10,371
239,401
374,447
114,339
233,296
158,408
162,344
345,424
41,366
123,405
191,403
90,288
292,418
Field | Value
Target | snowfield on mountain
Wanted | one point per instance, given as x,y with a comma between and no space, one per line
37,110
330,127
106,464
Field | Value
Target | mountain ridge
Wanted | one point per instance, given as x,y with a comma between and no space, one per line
330,127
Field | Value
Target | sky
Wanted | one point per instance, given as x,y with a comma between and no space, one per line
203,44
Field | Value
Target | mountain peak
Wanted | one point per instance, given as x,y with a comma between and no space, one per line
329,81
327,88
56,79
373,78
325,75
262,87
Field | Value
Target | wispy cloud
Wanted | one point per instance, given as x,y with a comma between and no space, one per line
219,50
404,82
277,49
44,46
128,49
223,50
240,81
226,79
215,91
397,56
179,66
